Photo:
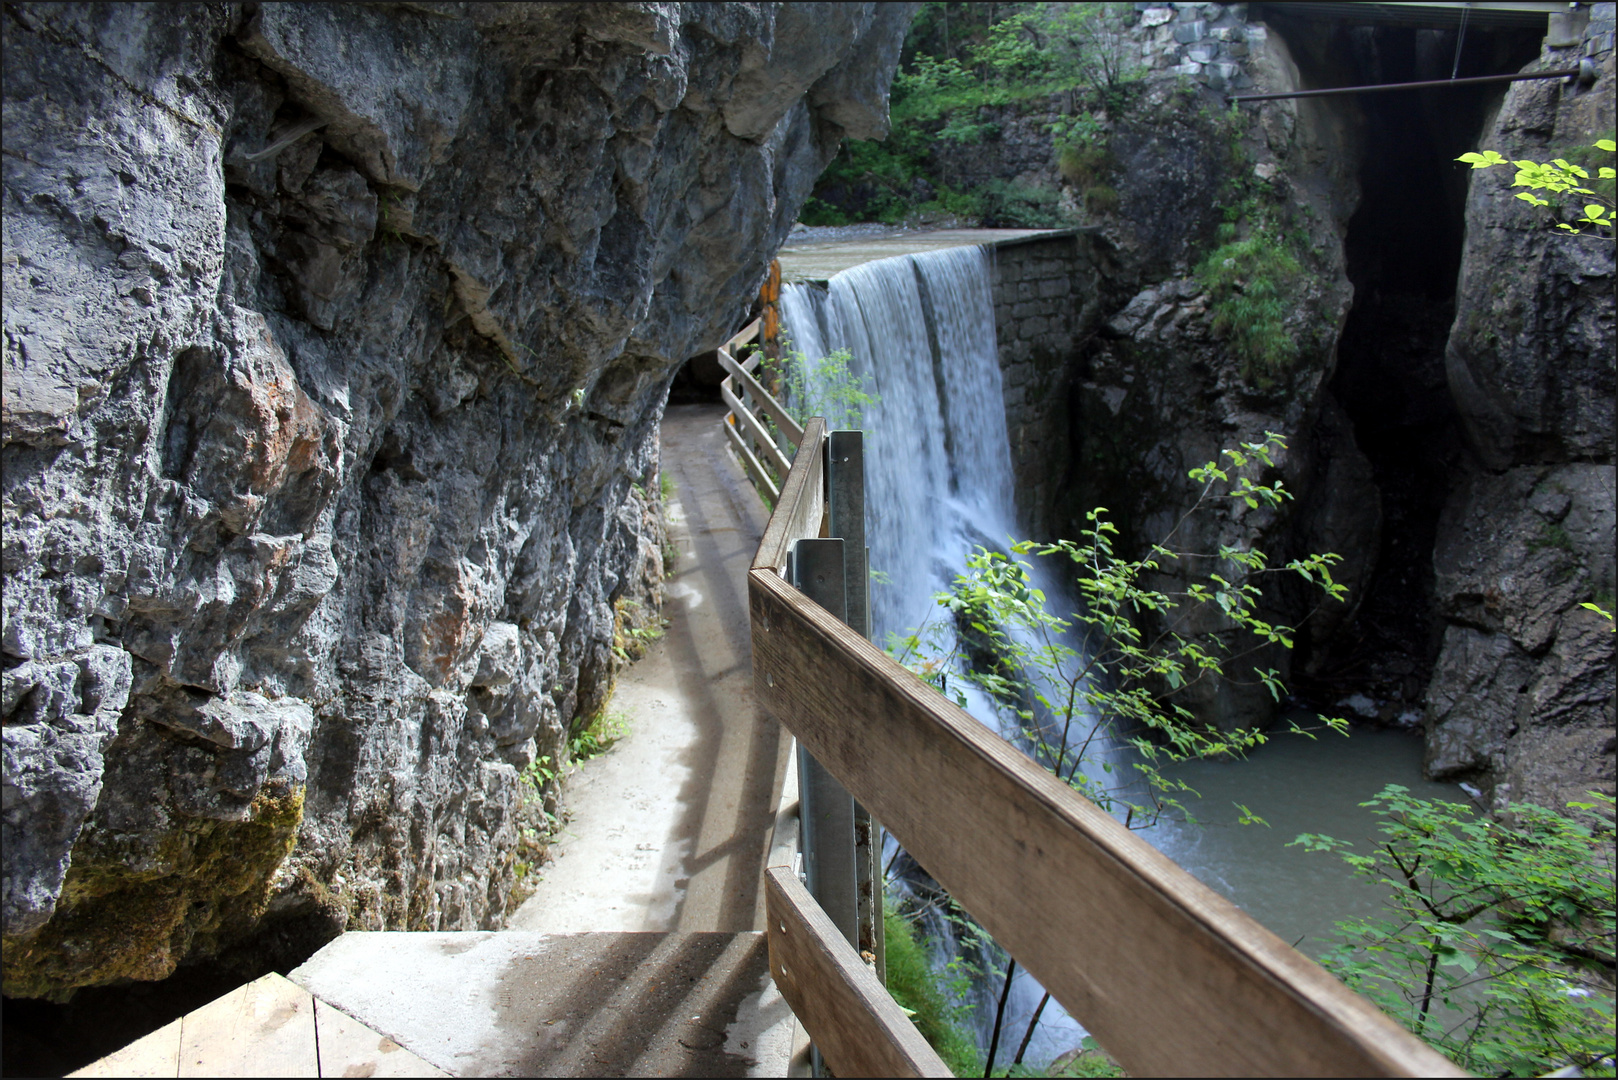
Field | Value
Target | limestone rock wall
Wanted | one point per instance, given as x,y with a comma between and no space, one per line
336,339
1522,700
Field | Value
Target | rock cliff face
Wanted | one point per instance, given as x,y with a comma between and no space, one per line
1152,389
1466,620
336,340
1522,696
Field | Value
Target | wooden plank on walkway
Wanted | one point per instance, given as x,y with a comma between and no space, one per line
266,1028
157,1054
349,1048
783,420
1170,977
859,1028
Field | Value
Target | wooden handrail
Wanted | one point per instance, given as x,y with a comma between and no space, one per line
755,470
777,412
1170,977
756,447
755,428
743,336
858,1027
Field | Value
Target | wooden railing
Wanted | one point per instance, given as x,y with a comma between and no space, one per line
1169,977
759,449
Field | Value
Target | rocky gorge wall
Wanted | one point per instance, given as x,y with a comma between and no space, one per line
1116,390
336,341
1522,696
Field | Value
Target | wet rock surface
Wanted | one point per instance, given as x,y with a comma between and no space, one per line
336,345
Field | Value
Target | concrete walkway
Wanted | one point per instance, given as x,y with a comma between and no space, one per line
669,829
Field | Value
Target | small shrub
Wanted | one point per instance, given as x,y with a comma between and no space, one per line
914,986
1083,164
631,632
1551,535
1251,284
960,204
1100,200
819,212
1017,206
599,736
1497,938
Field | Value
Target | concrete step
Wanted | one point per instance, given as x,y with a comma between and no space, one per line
515,1003
270,1027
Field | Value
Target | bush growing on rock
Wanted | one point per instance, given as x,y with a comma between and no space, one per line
1497,946
1250,287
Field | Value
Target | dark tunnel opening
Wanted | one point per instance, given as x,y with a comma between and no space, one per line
1403,249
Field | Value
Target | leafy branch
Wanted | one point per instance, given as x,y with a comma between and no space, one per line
1499,948
1559,177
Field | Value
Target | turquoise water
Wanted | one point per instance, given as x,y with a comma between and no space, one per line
1297,785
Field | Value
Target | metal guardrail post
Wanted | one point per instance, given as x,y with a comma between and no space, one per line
826,810
845,506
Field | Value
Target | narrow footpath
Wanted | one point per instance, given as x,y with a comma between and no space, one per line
669,829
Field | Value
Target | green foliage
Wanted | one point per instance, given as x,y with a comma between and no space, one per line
665,486
1252,288
632,632
1017,206
827,387
540,771
1498,946
1561,178
1083,163
1077,684
914,986
1097,668
1088,1060
599,736
1100,200
1090,42
958,60
1552,534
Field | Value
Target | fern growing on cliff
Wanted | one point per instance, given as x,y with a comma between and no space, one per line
1250,285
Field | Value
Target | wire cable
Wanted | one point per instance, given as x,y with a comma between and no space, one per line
1460,39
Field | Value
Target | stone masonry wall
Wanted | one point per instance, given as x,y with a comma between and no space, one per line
1045,306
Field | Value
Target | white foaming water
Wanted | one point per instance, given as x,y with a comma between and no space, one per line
938,477
937,463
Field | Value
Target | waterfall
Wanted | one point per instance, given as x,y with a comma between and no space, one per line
938,480
938,464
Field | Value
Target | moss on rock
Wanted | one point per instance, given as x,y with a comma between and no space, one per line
120,919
